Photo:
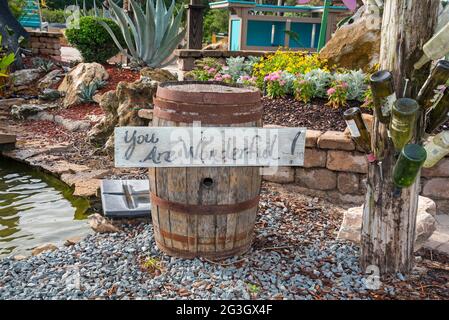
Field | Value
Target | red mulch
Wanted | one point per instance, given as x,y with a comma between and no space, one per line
80,111
116,75
49,130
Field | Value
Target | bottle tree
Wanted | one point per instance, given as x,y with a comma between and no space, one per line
389,217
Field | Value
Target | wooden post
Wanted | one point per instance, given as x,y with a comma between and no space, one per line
388,227
195,24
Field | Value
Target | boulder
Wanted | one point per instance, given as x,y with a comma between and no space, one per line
132,97
425,223
101,132
72,241
160,75
50,79
82,74
24,111
356,45
50,95
25,77
43,248
99,224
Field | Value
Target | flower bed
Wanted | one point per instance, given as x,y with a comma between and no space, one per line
286,73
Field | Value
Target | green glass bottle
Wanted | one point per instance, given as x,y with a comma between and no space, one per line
383,94
429,92
359,131
408,165
404,115
439,114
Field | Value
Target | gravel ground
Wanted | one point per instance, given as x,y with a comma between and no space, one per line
293,257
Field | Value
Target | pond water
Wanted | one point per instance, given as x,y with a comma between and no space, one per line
35,209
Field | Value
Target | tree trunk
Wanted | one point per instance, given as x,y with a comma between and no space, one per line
389,219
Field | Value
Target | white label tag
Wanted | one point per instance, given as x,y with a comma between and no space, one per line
388,104
352,126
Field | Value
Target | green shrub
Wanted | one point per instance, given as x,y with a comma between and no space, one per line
53,16
93,41
16,7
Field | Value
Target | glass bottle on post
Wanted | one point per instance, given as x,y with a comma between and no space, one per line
429,92
403,122
439,114
359,131
408,165
383,94
437,149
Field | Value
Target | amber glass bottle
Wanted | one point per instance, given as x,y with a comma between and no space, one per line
429,92
359,131
383,94
404,116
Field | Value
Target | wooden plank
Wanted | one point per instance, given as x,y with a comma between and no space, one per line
159,146
7,138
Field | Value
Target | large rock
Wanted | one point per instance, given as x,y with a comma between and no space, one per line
43,248
160,75
25,77
356,45
50,79
99,224
82,74
101,132
24,111
132,97
425,223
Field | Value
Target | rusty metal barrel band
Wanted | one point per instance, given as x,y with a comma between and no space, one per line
204,209
209,254
207,118
227,109
211,241
164,91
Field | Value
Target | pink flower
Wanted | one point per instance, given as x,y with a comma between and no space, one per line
211,70
206,68
331,91
344,84
227,76
282,82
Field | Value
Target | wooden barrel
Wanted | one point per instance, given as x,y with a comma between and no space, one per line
205,211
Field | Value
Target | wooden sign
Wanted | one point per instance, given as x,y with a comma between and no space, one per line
208,146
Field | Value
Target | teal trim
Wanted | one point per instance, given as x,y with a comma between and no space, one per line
304,32
235,34
259,33
269,6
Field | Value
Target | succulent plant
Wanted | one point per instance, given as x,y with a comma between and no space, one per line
43,65
356,81
151,36
87,91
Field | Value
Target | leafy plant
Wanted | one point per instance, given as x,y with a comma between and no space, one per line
253,289
16,7
87,92
92,40
356,81
152,37
53,16
43,65
305,90
321,80
206,69
276,85
152,265
294,62
6,60
337,94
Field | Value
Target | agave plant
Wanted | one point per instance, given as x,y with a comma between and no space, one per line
151,36
43,65
87,92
